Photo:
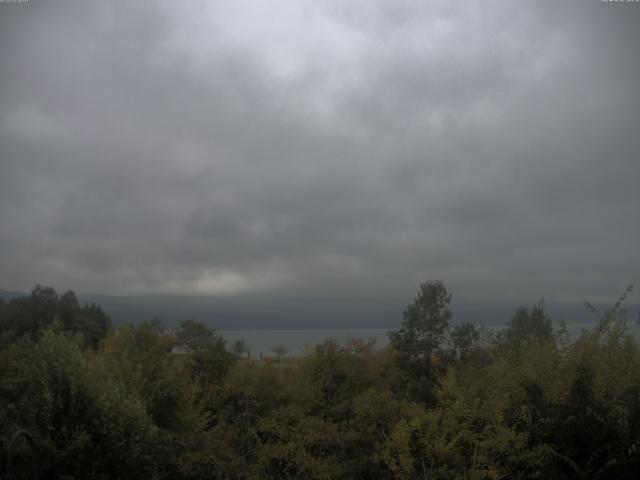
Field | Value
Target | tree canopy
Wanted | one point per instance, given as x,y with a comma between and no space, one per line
421,338
441,402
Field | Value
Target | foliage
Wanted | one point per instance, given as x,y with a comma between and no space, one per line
527,324
142,402
207,356
30,316
464,338
419,343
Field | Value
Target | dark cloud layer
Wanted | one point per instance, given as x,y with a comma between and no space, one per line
321,148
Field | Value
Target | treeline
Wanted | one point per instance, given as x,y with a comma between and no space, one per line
442,401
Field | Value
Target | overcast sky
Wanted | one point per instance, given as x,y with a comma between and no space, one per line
302,147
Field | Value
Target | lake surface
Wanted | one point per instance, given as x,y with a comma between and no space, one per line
297,342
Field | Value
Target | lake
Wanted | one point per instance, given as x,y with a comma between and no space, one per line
298,341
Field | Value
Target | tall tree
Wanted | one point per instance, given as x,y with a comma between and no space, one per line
529,323
207,350
464,338
420,340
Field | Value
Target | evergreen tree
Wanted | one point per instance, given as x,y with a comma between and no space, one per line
420,340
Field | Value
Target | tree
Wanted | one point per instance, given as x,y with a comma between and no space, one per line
279,350
529,323
239,348
194,335
464,338
207,350
31,316
420,338
92,322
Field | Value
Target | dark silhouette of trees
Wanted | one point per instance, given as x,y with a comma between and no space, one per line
437,403
43,308
464,338
206,351
529,323
419,343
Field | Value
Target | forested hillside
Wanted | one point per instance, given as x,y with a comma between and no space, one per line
445,400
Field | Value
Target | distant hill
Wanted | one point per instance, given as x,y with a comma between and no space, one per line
282,313
8,295
252,312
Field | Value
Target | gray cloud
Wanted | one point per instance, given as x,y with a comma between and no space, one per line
320,148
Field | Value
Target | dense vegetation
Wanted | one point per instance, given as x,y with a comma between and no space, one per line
444,401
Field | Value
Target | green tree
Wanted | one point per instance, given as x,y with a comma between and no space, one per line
82,424
420,340
30,316
194,336
464,338
529,323
206,351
